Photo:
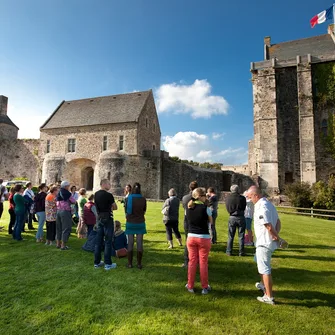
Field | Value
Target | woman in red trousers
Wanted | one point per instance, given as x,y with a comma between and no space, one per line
199,217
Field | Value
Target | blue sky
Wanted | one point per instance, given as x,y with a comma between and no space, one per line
195,55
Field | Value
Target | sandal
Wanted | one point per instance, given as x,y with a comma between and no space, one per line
65,248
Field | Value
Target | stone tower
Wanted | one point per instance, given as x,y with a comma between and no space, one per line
8,130
288,121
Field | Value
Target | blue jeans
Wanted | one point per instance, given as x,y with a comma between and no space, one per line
236,223
41,220
89,229
19,222
105,234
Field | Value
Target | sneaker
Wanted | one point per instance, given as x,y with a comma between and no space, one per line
96,266
110,266
46,243
249,244
189,289
266,300
206,290
260,287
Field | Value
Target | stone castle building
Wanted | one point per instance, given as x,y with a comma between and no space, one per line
116,137
291,103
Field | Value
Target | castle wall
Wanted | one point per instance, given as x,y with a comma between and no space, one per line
149,133
265,126
89,140
288,126
21,158
8,132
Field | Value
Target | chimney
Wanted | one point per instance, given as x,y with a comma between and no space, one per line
267,45
3,105
331,31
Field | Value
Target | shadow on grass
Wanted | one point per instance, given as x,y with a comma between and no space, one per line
309,258
319,246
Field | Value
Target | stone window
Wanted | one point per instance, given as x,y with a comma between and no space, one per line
154,147
146,122
104,143
324,127
121,142
154,127
48,146
71,145
148,165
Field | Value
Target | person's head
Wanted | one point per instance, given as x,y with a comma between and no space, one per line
73,189
210,190
254,193
245,194
172,192
198,194
18,188
136,188
1,181
12,190
105,184
54,190
117,226
234,188
127,189
42,187
29,185
193,185
51,186
91,197
82,191
65,184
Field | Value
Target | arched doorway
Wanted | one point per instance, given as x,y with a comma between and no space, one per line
87,178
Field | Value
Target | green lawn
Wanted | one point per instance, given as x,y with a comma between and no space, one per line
47,291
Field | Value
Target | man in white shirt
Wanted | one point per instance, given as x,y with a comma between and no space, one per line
267,226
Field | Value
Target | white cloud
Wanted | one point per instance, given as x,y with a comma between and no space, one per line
28,119
204,154
195,99
217,136
200,148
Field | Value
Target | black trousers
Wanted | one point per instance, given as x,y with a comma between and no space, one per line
11,220
1,209
51,230
172,225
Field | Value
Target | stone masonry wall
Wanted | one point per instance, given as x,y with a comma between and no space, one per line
288,126
8,132
21,158
149,133
89,140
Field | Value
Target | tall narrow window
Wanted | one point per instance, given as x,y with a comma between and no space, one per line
48,146
154,147
71,145
154,127
146,122
104,143
324,127
121,142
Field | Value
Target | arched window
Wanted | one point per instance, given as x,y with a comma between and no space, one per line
324,127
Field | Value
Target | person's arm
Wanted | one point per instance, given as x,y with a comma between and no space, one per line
209,214
272,231
145,205
72,199
114,206
278,226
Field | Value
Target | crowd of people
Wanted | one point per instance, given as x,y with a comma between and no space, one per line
59,207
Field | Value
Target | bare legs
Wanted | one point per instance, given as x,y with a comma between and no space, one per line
267,281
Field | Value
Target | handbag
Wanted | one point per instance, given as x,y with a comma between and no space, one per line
123,252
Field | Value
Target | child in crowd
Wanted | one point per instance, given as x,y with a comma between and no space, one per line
120,243
90,214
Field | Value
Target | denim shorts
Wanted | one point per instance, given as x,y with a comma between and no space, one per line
263,259
248,222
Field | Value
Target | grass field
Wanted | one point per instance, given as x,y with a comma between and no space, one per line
47,291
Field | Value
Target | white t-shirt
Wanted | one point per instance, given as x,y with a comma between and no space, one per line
249,209
4,190
265,212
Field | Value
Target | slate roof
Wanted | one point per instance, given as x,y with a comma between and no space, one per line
5,119
101,110
316,46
